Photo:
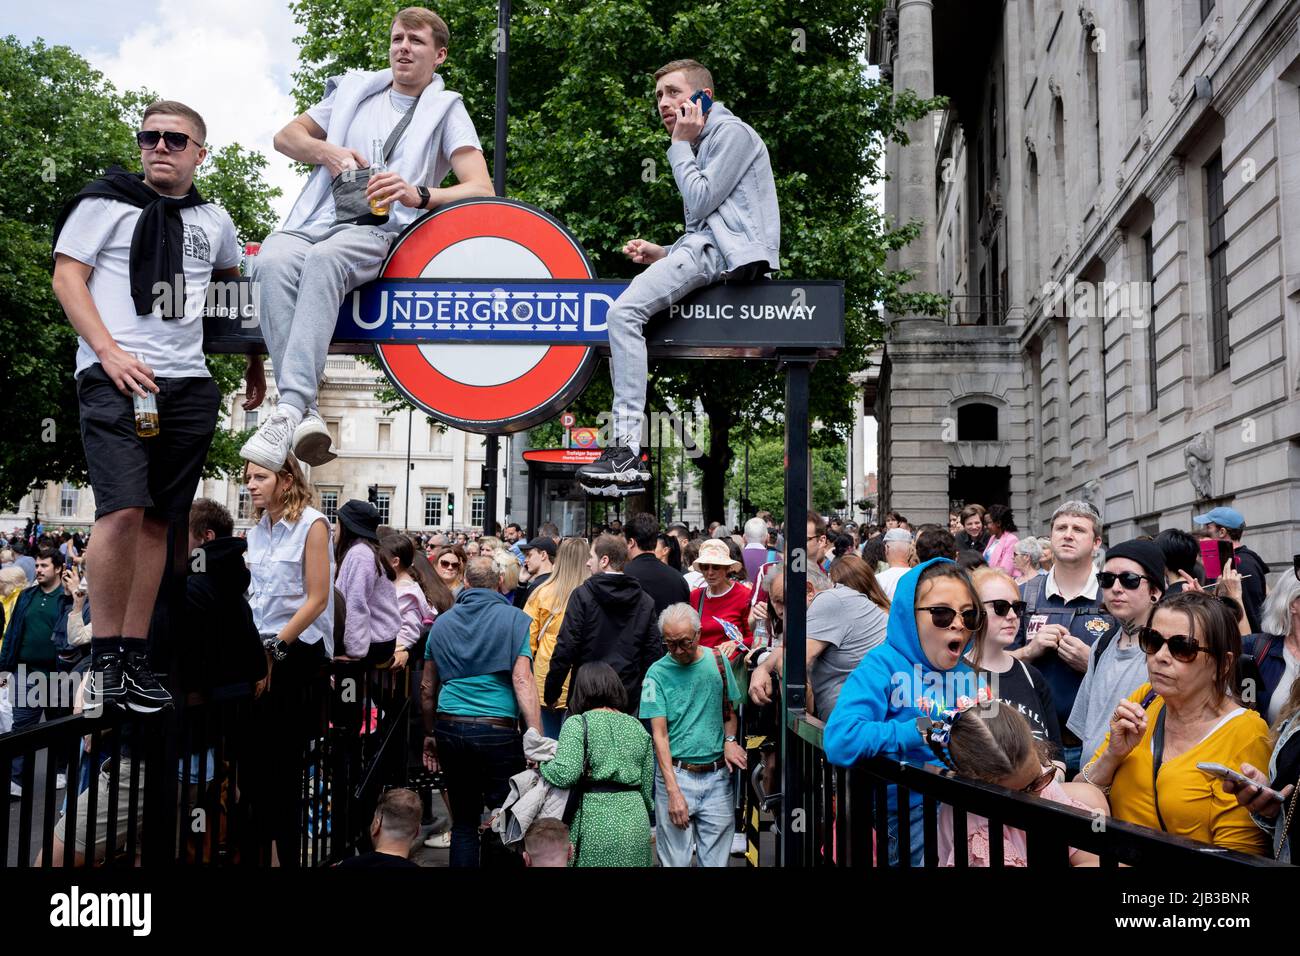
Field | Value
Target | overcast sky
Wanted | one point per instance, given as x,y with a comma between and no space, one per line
232,60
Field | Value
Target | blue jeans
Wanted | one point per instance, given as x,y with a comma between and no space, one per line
712,824
916,833
552,721
478,761
1073,756
39,683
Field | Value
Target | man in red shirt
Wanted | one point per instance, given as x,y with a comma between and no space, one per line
723,604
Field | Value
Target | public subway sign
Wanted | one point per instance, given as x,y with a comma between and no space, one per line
423,310
488,316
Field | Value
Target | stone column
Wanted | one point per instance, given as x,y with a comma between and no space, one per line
857,480
914,70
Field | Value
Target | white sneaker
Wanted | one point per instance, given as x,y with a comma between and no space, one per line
269,446
15,790
311,440
439,841
739,845
61,781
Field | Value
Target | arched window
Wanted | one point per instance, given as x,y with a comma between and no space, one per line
977,421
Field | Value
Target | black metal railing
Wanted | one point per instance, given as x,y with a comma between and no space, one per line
847,818
226,775
976,310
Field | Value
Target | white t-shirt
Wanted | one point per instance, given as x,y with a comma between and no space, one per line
888,580
1289,674
374,119
98,234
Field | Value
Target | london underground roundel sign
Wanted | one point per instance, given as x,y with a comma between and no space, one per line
488,389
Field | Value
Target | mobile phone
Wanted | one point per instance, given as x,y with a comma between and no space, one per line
1225,773
704,99
1210,558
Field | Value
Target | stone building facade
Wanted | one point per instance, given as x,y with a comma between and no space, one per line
1112,200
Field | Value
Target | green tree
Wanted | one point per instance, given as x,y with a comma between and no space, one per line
767,476
587,146
62,124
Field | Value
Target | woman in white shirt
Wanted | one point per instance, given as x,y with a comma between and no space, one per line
292,597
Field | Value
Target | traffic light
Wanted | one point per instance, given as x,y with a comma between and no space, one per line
451,503
372,495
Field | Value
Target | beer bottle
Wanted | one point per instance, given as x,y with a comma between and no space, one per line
377,165
146,411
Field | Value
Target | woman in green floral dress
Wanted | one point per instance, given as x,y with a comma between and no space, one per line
612,825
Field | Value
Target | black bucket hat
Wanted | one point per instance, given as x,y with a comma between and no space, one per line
361,518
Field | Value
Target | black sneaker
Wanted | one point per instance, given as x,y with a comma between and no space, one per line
143,692
617,465
107,683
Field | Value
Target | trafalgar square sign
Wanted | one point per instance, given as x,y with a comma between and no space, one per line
488,316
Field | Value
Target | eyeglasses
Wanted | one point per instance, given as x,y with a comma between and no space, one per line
1129,580
1181,647
449,565
1000,608
148,139
681,642
943,616
1041,782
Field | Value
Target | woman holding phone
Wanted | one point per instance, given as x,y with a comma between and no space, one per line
1275,817
1189,713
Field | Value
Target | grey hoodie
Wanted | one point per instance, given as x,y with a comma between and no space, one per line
728,193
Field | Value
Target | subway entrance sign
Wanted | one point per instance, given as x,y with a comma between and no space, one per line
488,316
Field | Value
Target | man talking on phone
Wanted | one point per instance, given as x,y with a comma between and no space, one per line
733,231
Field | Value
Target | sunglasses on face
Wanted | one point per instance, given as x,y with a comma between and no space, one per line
943,616
148,139
1129,580
449,565
1041,782
1000,608
1181,647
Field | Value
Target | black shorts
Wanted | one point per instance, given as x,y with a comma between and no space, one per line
159,474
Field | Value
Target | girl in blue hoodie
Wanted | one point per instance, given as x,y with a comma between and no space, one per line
917,673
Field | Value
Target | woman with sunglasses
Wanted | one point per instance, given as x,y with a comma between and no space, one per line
1190,713
935,617
1017,684
449,563
1130,583
997,745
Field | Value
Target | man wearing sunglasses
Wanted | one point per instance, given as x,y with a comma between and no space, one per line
1131,583
327,248
134,255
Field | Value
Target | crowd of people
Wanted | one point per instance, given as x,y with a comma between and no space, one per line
604,676
581,696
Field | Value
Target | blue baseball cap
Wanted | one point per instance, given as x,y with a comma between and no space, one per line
1224,517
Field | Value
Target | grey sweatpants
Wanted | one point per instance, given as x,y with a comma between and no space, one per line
301,283
691,265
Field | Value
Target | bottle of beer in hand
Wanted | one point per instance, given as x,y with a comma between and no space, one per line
377,165
146,412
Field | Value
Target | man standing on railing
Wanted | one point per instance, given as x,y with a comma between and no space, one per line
733,230
479,652
134,256
687,697
339,231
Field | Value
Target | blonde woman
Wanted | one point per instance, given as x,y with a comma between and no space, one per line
508,567
545,608
292,596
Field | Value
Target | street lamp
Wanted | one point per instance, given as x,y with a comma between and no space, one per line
38,495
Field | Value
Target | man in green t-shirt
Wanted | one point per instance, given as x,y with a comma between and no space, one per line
687,696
